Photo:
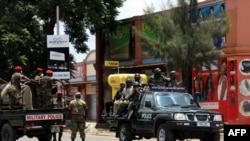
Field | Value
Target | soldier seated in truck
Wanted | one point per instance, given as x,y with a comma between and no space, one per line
132,99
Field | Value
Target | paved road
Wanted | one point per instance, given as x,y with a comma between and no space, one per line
95,134
66,137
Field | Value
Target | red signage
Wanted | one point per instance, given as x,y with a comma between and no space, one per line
43,117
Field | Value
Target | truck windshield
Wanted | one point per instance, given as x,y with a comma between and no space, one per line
163,99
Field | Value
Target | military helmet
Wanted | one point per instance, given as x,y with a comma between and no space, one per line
128,80
172,73
137,76
157,72
78,95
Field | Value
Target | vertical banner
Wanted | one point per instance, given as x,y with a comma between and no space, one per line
120,42
58,55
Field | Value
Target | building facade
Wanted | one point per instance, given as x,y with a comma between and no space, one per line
85,82
125,47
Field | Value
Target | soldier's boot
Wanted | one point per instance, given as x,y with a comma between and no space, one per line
83,139
54,136
59,136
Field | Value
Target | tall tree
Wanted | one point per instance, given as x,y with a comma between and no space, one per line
24,25
182,38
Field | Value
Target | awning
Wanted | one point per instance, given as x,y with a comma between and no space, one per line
142,65
78,81
82,82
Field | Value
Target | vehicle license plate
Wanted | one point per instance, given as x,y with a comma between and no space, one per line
203,124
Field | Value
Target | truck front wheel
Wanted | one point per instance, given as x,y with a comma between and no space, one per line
8,133
163,134
125,133
215,136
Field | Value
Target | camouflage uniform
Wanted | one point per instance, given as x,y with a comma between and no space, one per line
13,89
27,96
158,81
134,98
78,109
44,97
173,83
37,77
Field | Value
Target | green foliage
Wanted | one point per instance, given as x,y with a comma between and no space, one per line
181,41
24,25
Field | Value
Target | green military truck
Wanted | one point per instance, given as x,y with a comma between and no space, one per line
18,121
167,114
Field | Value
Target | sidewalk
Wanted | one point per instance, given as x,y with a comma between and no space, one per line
92,129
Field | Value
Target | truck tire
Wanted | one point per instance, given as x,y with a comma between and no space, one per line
215,136
8,133
124,133
163,134
46,137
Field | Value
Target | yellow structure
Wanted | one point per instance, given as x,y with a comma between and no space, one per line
114,80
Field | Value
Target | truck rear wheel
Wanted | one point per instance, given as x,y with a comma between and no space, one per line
8,133
47,137
125,133
163,134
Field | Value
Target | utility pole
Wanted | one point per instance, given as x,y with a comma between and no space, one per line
57,19
57,23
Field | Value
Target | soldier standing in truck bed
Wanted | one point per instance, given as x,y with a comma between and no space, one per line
18,90
157,79
44,97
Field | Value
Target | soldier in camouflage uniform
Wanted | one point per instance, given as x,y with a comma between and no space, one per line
14,97
173,81
44,96
137,78
157,79
38,74
18,90
37,77
78,109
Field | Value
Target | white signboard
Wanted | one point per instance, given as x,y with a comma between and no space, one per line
61,75
58,55
209,105
54,41
53,55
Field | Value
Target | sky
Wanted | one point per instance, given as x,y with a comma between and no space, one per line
129,9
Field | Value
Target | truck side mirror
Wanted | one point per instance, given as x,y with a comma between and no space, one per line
148,104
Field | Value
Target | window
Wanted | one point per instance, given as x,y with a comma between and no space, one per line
147,97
